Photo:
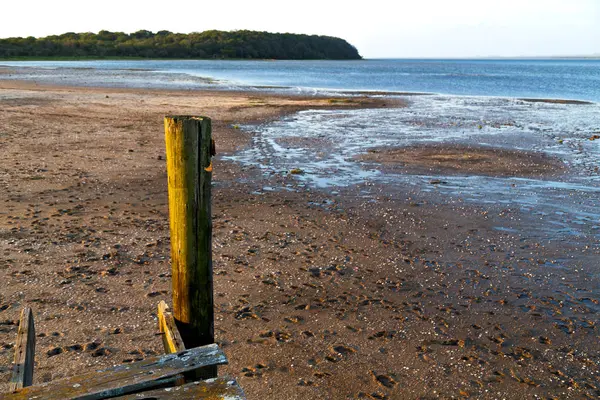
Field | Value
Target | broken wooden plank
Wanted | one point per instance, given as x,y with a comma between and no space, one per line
171,338
127,378
172,341
213,389
24,352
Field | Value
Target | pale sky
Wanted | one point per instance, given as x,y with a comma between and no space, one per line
414,28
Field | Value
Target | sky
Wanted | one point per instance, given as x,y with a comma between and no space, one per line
379,29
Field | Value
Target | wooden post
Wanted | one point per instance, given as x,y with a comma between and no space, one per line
189,168
24,352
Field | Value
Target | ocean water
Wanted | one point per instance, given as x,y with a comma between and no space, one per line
559,79
474,102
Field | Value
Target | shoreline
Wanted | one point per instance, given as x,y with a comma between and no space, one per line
369,291
284,104
278,90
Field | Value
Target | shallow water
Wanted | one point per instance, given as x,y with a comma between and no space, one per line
324,145
565,79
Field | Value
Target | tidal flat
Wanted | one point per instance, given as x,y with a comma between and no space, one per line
414,281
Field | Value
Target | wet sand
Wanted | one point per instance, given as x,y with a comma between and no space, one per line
557,101
464,159
401,294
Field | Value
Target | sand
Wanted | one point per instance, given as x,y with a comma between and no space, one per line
318,295
465,159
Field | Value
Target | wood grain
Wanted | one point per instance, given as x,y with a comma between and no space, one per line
24,352
172,341
189,167
150,373
213,389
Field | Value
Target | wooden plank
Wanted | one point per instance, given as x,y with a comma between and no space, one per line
213,389
24,352
127,378
172,341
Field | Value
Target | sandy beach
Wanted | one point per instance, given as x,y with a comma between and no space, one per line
319,294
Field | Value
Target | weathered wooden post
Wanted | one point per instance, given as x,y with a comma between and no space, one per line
189,168
24,353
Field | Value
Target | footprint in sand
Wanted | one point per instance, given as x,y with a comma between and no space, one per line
384,380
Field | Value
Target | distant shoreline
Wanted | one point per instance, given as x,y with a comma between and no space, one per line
574,58
126,58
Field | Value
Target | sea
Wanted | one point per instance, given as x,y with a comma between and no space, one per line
476,102
554,78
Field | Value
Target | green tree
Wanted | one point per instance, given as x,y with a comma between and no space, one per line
166,44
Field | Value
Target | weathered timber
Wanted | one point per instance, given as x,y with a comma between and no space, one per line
189,168
150,373
171,338
24,352
172,341
213,389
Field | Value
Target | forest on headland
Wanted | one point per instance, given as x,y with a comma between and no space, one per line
241,44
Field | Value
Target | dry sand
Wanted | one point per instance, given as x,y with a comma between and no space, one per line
317,295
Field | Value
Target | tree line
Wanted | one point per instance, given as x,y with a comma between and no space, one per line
164,44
